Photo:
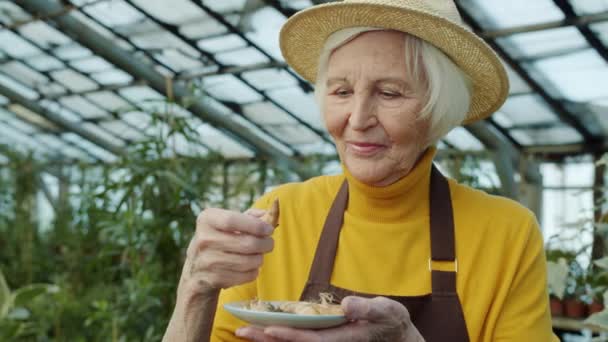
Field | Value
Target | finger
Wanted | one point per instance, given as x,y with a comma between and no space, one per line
292,335
214,260
376,310
245,244
224,279
231,221
230,243
255,334
255,212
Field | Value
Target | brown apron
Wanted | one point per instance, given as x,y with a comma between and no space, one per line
438,316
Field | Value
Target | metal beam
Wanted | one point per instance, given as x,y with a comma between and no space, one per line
568,21
58,120
554,104
207,110
505,156
590,37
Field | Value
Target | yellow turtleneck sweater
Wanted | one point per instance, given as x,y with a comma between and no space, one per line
384,249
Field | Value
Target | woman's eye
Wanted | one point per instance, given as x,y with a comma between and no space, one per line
389,94
342,92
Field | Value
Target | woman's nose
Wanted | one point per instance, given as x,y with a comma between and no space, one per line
363,114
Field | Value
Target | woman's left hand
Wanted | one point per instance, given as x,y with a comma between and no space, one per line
377,319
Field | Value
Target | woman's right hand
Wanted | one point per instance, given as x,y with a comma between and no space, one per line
227,250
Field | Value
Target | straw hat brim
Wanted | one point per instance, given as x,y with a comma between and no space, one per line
304,34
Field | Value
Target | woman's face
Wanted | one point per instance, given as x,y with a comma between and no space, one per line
371,108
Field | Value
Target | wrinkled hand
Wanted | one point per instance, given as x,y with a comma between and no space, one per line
227,250
377,319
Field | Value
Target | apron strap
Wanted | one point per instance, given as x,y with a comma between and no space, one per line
442,233
442,219
323,263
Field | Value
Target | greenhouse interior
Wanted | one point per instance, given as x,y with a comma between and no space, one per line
122,120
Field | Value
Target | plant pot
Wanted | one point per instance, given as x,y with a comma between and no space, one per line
574,308
595,307
557,307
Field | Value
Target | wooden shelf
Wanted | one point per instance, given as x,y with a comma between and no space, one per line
573,324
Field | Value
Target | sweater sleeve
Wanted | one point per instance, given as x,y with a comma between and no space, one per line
224,324
525,315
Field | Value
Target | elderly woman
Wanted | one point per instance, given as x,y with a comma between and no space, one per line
413,255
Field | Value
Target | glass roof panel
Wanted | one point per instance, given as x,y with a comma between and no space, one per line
24,74
218,141
463,140
525,110
102,133
15,46
265,79
73,80
109,101
542,43
266,24
95,150
18,87
60,110
83,107
21,141
121,129
206,27
6,116
323,148
601,29
91,64
52,90
11,14
112,77
302,104
114,13
71,51
179,61
582,7
137,119
580,76
548,136
226,5
221,43
296,4
44,62
144,97
294,134
43,34
516,84
97,27
180,11
241,57
499,14
229,88
32,117
266,113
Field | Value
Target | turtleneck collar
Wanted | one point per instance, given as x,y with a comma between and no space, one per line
400,200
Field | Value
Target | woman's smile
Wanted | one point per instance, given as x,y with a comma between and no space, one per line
365,149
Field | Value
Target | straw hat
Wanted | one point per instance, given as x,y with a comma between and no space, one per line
436,21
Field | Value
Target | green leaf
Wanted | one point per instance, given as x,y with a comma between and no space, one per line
5,296
557,273
26,294
602,263
19,314
599,320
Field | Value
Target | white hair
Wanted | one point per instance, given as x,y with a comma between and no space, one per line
445,88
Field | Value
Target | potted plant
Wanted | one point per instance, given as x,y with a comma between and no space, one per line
597,284
557,274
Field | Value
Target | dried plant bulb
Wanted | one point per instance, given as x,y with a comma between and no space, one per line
272,216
